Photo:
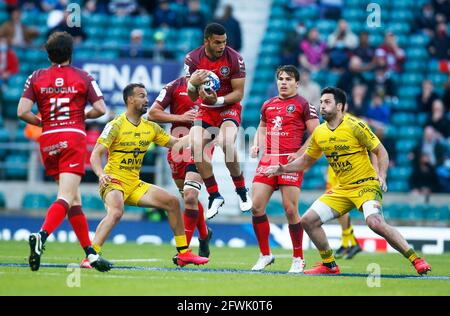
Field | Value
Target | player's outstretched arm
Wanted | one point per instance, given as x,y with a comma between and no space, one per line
311,126
300,164
382,162
98,109
25,114
178,143
158,115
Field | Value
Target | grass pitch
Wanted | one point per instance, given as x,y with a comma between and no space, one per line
148,270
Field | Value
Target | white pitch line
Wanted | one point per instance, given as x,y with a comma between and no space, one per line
135,260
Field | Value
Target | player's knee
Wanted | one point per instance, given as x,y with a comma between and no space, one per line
258,208
172,204
375,223
116,214
307,221
190,198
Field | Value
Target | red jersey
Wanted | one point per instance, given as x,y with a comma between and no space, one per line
286,123
174,95
61,93
229,66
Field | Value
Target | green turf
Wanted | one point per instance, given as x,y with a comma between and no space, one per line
52,281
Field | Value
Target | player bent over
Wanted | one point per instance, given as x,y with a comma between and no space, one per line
126,139
284,119
345,141
61,92
183,112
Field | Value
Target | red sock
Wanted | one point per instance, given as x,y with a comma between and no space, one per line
190,221
55,215
296,232
262,230
79,225
239,181
201,224
211,185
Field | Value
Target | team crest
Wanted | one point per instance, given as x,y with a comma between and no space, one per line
290,108
224,71
136,152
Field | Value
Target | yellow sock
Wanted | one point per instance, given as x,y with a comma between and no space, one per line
327,256
181,243
349,236
344,240
97,248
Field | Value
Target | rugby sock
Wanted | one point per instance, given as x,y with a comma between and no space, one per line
201,224
211,185
411,255
352,238
296,232
261,227
97,248
328,258
181,244
190,222
55,215
239,181
79,225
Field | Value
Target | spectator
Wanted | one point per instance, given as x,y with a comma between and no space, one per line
358,101
439,46
331,9
309,89
365,52
443,174
164,16
379,113
442,7
30,5
352,77
426,21
9,63
383,84
431,145
50,5
194,17
17,33
439,120
446,96
77,32
148,6
229,22
423,180
97,6
426,97
312,52
340,44
390,54
136,48
123,7
160,53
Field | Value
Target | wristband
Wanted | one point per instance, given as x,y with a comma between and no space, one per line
220,101
191,87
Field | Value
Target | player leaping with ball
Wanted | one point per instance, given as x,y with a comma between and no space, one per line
218,111
345,141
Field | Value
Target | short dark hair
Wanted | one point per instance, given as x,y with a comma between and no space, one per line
290,70
59,47
214,29
339,95
129,89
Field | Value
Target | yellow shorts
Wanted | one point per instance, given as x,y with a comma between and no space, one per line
132,191
344,199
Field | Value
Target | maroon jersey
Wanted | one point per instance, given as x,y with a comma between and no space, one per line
229,66
174,95
286,123
61,93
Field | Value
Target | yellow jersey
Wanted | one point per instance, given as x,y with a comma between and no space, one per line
127,144
346,149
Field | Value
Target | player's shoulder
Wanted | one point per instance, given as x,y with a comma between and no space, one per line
301,100
149,124
38,73
82,73
268,102
232,52
194,56
322,128
117,122
354,122
181,81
